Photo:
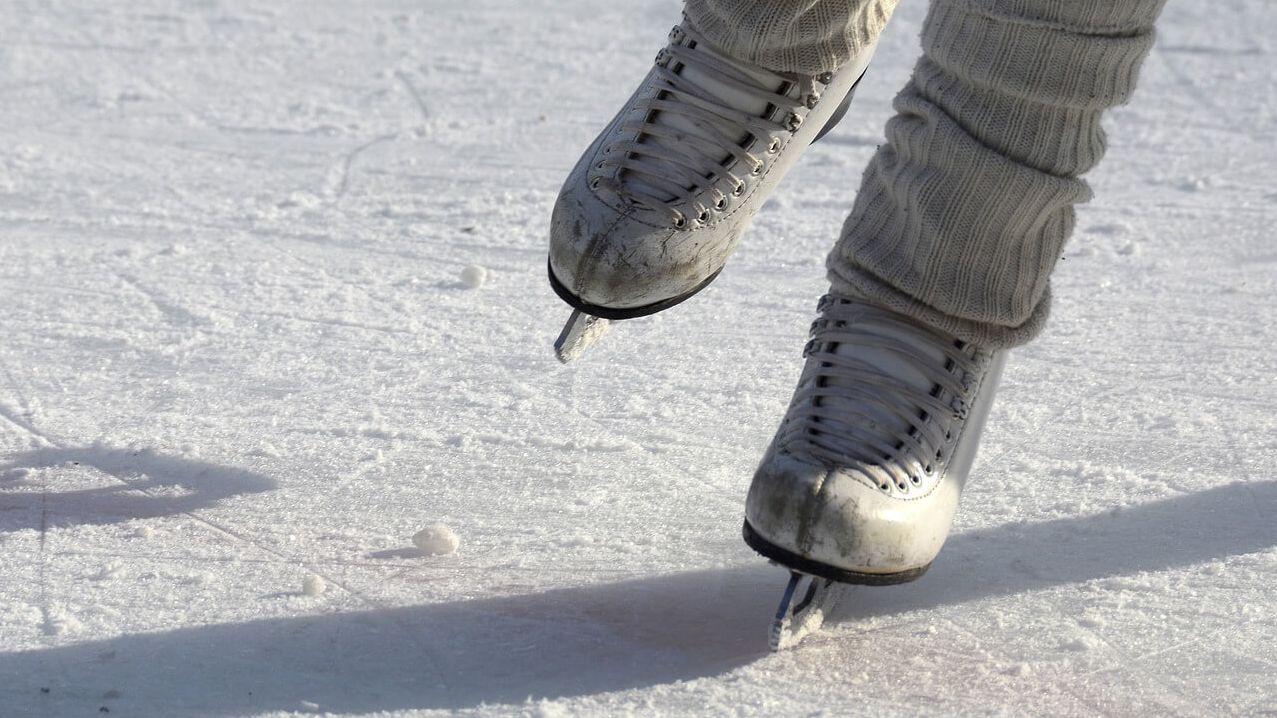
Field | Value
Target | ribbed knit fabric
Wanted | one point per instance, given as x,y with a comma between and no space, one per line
805,36
962,215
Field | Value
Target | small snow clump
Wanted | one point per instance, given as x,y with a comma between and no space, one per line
474,276
313,585
436,540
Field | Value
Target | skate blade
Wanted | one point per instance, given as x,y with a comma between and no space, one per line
580,333
802,611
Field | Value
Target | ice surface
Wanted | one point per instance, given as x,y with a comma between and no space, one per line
235,351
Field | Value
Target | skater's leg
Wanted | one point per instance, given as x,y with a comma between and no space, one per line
962,214
944,262
803,36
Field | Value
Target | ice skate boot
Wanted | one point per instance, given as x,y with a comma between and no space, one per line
862,479
652,210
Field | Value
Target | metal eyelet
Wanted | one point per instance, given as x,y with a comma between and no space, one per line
825,78
721,204
774,147
679,220
811,100
758,169
594,183
794,121
738,190
928,469
662,58
703,217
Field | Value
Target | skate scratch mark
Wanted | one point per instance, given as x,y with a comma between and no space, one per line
1210,50
1126,662
1130,665
42,559
41,554
383,303
571,404
996,459
24,426
114,57
414,94
17,390
1255,505
333,322
348,159
1195,89
357,246
1182,644
174,313
61,288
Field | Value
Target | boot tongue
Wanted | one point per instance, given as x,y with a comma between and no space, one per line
889,424
724,94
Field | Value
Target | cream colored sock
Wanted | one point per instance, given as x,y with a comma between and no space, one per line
806,36
962,214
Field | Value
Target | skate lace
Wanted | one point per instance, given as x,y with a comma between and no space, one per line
862,432
685,165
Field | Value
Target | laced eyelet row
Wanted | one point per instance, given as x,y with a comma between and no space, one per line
917,458
703,215
692,201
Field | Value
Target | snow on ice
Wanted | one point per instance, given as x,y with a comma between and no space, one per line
474,276
436,540
314,585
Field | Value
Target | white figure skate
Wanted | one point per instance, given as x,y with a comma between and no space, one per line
658,202
861,481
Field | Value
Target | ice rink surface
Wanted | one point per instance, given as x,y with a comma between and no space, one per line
272,300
